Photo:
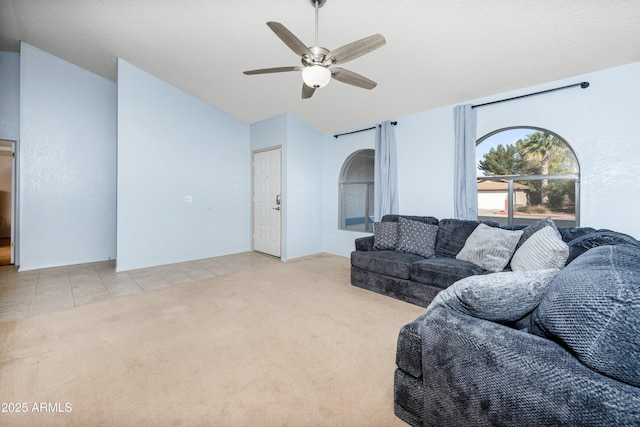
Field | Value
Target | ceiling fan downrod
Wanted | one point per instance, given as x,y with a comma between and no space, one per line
317,4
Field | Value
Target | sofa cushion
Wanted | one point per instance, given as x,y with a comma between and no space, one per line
591,308
569,233
598,238
385,236
489,247
390,263
416,237
453,233
395,217
364,243
544,249
500,297
442,272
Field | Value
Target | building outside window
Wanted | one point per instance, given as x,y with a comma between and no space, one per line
525,174
356,192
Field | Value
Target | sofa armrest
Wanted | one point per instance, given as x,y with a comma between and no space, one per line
364,243
583,243
476,372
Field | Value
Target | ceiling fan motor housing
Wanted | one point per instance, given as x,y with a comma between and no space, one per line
319,57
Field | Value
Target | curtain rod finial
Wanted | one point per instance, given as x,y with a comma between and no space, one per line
584,85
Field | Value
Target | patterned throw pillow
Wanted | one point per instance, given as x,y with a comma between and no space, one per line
416,237
489,247
385,236
530,230
544,249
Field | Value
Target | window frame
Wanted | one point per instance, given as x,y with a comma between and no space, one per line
511,179
369,185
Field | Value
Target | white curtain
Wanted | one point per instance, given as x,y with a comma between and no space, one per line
385,172
465,184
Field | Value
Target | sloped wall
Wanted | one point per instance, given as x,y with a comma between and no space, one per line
172,145
67,163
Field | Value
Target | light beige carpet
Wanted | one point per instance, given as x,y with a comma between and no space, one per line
292,344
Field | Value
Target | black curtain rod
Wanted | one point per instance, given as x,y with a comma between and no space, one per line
360,130
583,85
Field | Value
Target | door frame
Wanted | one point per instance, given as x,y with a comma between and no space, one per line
253,193
14,189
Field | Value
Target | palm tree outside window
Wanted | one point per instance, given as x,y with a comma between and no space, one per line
525,174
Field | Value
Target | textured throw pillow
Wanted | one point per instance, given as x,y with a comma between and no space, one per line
452,233
544,249
489,247
416,237
530,230
500,297
385,236
591,309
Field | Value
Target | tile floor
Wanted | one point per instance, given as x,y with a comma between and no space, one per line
28,293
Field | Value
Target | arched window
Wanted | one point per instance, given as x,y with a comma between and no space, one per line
356,192
525,174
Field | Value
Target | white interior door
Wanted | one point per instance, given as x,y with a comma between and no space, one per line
267,201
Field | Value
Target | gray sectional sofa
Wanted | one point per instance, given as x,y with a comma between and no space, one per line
406,275
524,326
536,348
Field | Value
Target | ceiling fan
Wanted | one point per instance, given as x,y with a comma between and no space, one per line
316,60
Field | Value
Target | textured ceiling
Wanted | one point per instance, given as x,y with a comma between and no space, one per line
437,52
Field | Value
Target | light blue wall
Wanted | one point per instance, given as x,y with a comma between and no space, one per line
301,180
335,152
303,188
172,145
425,171
67,163
9,95
600,123
269,133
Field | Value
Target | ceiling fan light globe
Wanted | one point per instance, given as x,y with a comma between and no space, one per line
316,76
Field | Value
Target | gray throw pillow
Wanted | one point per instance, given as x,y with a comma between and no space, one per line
591,309
416,237
385,236
499,297
544,249
489,247
530,230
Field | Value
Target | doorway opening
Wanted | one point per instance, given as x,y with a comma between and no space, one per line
7,201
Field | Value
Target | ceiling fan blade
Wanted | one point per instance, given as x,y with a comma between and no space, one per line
271,70
351,78
356,49
307,92
289,39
